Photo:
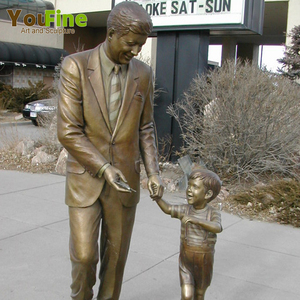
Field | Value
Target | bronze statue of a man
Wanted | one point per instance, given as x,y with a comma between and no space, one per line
105,121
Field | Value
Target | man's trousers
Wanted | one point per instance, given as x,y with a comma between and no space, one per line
116,229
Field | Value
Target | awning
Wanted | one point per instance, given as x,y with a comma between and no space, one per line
28,54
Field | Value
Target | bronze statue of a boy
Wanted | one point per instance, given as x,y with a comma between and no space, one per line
199,225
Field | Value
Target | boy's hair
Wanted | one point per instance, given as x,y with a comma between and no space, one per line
129,16
210,180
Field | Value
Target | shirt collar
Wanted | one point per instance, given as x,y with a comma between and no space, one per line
107,65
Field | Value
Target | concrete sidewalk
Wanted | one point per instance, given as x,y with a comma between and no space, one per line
253,260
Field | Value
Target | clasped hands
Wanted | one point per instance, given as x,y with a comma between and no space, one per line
113,175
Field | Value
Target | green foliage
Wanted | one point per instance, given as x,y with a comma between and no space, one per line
242,122
291,59
15,98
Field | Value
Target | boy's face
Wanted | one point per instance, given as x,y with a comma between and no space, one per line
197,194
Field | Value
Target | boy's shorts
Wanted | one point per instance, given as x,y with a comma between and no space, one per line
195,268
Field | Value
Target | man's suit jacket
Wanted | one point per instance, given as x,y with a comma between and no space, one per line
84,129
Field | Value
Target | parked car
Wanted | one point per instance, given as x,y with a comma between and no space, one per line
40,112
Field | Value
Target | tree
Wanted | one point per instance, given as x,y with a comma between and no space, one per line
291,59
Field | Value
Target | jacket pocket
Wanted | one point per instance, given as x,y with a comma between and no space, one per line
138,96
75,167
137,166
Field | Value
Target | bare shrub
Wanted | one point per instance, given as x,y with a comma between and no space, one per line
14,157
9,137
242,122
47,140
49,122
48,137
166,149
279,199
15,99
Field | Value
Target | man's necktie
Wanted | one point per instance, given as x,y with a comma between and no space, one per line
115,97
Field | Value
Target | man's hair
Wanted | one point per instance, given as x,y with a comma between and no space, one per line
129,16
210,180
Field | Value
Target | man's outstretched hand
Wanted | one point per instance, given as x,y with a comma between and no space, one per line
113,175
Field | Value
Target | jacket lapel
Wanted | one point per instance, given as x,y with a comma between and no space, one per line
129,91
95,77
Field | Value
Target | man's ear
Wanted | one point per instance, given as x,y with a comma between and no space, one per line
110,33
208,194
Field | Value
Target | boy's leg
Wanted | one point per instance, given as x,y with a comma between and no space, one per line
186,261
203,273
187,292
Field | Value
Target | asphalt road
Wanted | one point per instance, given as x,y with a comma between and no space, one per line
12,132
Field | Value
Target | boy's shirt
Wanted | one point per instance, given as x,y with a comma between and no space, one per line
192,234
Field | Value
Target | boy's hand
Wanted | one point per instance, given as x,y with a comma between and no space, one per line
185,219
191,219
155,198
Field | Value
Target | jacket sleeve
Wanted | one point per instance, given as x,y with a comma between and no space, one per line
148,147
70,119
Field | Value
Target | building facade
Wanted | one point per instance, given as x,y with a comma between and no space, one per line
27,52
280,16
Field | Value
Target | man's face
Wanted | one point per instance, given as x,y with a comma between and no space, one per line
122,49
196,193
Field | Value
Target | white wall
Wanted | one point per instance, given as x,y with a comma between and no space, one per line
11,34
81,6
293,18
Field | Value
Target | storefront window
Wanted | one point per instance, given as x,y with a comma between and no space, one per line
27,6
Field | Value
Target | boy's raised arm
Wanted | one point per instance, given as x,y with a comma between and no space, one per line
164,206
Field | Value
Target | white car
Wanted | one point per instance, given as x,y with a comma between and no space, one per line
40,112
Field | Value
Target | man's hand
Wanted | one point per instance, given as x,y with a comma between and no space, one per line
113,175
155,187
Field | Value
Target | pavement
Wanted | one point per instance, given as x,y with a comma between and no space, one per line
7,116
253,260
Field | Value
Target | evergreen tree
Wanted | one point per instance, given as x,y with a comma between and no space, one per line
291,59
